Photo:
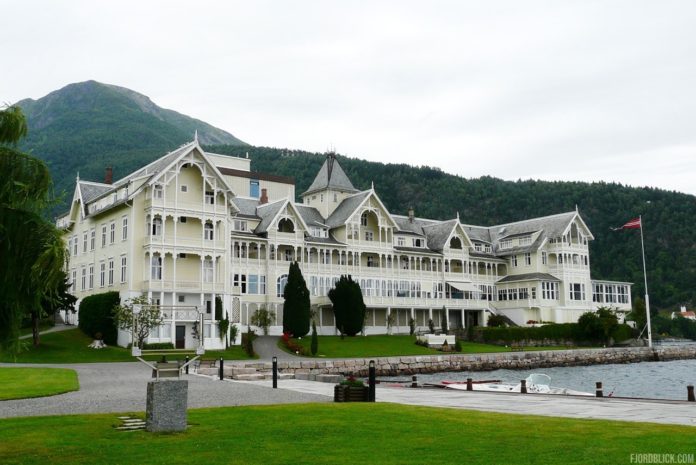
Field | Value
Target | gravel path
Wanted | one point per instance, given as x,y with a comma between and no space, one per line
121,387
267,347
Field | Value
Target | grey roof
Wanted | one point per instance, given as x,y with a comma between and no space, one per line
92,190
323,240
246,206
478,233
552,226
527,277
310,215
405,225
346,209
267,212
158,165
415,249
331,176
438,234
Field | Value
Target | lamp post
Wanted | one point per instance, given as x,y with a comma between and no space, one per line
372,382
275,372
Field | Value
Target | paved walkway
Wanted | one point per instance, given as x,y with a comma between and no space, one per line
122,387
53,329
668,412
267,347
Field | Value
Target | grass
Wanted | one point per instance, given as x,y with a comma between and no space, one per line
22,383
71,347
387,346
339,434
43,326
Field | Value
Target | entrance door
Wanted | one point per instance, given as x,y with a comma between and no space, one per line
180,337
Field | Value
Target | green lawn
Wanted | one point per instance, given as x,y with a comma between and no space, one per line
339,434
42,327
387,346
71,347
21,383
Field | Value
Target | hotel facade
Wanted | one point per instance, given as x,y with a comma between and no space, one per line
193,226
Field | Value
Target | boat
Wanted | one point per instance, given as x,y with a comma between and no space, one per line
537,383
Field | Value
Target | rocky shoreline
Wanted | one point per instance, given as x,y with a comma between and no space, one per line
408,365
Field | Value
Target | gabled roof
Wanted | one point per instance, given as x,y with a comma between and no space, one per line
346,209
310,215
331,176
438,234
91,190
527,277
157,166
407,226
246,206
267,213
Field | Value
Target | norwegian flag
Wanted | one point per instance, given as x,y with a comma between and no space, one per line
633,224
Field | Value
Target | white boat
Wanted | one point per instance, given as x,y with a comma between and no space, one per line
537,383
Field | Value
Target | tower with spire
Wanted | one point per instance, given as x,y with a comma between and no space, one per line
329,188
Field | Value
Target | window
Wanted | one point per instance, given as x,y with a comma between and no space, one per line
533,292
157,226
369,236
478,247
526,240
514,260
124,228
254,190
156,267
363,219
182,219
280,285
506,244
549,290
181,299
417,242
102,274
576,291
544,258
401,241
257,284
321,198
208,270
335,198
370,261
623,294
528,259
112,232
91,276
210,197
598,293
488,248
84,242
111,272
240,280
124,268
84,278
240,225
75,241
184,188
92,239
208,231
103,236
73,283
325,257
288,255
158,192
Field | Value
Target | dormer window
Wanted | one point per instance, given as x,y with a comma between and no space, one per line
286,226
488,249
506,244
401,241
418,243
526,240
240,225
478,247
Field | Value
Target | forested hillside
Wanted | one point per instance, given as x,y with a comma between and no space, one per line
670,233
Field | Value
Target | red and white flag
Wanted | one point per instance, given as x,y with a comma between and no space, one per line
633,224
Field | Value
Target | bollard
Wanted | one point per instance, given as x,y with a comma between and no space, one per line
222,369
599,392
523,386
186,361
690,394
469,384
372,382
414,381
275,372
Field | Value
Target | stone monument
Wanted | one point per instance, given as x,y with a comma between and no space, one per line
166,409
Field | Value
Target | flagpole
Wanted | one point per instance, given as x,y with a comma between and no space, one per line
645,277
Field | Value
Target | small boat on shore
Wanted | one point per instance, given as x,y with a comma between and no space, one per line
536,383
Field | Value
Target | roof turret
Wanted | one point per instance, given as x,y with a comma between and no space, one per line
331,176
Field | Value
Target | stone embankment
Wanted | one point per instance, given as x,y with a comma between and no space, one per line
406,365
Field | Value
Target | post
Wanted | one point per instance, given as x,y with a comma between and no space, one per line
598,391
372,382
690,393
186,362
523,386
414,381
222,369
469,384
645,277
275,372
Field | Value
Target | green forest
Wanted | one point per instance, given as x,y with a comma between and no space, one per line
88,126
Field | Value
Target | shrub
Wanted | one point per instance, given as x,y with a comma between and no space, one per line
96,316
352,381
248,342
158,346
431,326
296,306
497,321
315,340
444,327
348,306
457,345
411,326
234,331
292,345
263,318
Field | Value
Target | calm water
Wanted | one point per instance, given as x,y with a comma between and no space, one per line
658,380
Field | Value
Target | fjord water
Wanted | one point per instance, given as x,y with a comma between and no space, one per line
656,380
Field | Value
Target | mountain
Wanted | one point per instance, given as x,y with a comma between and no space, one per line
87,126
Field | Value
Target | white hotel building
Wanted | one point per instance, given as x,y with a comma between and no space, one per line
194,225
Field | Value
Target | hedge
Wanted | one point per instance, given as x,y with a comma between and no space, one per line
96,316
560,333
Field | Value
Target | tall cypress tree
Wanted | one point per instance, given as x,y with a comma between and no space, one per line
348,306
296,309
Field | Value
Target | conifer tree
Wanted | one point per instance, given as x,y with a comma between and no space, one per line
296,309
348,306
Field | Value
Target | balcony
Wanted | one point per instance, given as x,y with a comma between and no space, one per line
181,286
192,242
187,207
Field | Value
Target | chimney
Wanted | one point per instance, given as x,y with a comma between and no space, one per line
411,214
264,196
109,175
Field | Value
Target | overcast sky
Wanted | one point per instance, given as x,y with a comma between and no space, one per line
567,90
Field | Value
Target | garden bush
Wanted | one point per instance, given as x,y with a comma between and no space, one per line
158,346
96,316
552,334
